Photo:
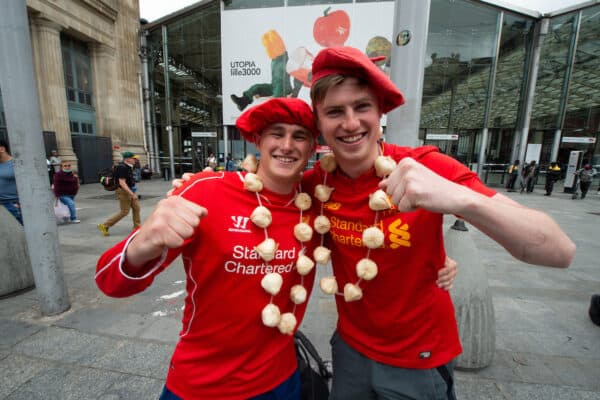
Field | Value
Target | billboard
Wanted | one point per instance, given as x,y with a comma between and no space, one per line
268,52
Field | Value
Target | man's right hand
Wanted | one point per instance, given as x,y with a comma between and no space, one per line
172,222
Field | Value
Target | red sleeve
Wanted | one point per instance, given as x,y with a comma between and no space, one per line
114,282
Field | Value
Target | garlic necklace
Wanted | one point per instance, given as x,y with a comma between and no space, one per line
372,237
272,282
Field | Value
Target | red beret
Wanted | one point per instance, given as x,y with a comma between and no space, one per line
287,110
348,61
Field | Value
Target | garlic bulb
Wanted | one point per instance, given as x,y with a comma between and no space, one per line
304,265
261,216
266,250
287,324
252,182
323,192
303,232
322,224
298,294
322,254
272,283
372,237
271,315
328,285
303,201
384,165
379,201
366,269
250,163
352,292
328,163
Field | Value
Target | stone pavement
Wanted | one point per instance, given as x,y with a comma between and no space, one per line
103,348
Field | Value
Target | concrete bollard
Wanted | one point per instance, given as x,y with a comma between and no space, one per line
472,300
15,267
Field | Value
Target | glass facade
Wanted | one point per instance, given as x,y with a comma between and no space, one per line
477,71
194,74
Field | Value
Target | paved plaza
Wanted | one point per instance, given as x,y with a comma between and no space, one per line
104,348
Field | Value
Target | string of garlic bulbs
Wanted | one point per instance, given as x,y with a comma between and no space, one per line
372,237
272,283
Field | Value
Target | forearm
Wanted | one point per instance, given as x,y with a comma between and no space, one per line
138,254
529,235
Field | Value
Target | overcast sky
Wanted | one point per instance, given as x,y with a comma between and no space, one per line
154,9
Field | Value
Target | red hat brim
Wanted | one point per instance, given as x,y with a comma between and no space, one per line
349,61
286,110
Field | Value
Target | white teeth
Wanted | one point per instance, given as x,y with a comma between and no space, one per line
351,139
285,159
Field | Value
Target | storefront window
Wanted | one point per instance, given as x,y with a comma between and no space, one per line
551,73
194,73
581,126
460,47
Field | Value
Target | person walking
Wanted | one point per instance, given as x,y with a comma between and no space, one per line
54,164
9,197
529,174
585,176
552,175
128,200
65,187
211,162
513,174
393,320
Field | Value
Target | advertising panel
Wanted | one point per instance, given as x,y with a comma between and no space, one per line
268,52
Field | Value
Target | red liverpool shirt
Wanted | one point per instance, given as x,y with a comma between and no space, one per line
403,318
224,350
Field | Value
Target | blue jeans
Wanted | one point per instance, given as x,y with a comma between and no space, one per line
15,209
288,390
69,201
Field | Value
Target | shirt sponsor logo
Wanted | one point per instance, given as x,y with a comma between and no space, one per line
349,232
239,223
246,261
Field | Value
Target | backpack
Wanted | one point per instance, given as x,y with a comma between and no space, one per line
314,375
107,179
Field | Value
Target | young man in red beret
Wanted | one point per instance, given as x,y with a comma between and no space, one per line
397,335
236,234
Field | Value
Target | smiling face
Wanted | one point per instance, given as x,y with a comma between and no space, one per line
348,118
284,152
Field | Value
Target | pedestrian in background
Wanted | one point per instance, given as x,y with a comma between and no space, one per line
513,174
9,197
585,176
552,175
128,200
137,169
529,174
65,187
54,164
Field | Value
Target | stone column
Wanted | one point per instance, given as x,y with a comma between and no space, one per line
51,84
103,77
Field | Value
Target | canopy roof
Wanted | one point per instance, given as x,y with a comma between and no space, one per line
539,8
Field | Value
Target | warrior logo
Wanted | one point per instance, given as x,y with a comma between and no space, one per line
239,223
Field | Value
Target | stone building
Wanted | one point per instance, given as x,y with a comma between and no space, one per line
87,71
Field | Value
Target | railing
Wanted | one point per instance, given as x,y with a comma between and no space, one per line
182,164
